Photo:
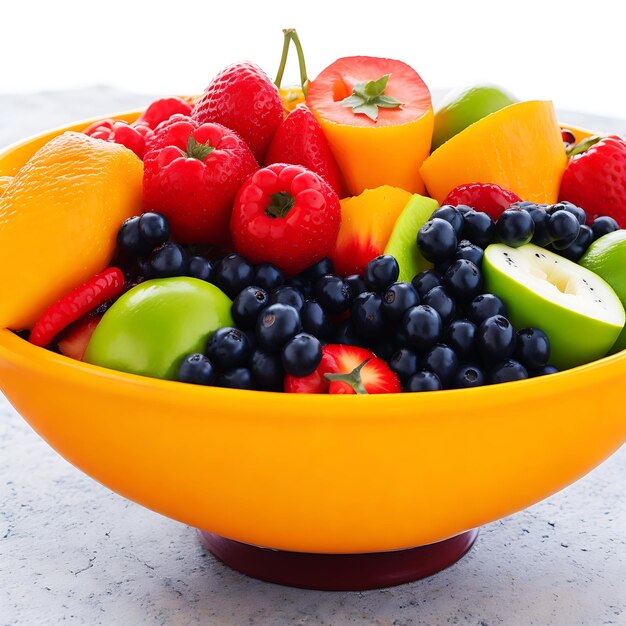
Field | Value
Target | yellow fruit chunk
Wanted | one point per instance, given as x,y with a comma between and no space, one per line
5,181
518,147
59,219
291,97
366,224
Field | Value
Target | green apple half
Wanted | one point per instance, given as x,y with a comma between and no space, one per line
606,257
463,107
577,309
402,241
150,328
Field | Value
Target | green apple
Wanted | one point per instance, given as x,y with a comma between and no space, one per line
606,257
463,107
577,309
154,325
402,243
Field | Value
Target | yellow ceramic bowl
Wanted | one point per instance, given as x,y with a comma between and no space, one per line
318,473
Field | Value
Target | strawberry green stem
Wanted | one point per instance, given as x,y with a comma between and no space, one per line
353,378
583,146
281,203
290,35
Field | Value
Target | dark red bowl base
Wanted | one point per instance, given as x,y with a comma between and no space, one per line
339,572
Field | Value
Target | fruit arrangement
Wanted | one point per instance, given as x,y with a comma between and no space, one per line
339,237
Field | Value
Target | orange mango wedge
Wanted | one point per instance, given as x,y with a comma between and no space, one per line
59,219
5,181
366,224
518,147
388,151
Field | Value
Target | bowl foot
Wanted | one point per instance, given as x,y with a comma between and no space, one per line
339,572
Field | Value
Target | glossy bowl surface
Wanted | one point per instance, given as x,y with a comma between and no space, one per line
317,473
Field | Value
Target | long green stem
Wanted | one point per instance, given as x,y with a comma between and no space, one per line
290,35
283,58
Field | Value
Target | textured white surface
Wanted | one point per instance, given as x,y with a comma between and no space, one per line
70,550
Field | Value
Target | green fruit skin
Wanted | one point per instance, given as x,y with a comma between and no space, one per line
402,243
462,108
606,257
574,338
150,328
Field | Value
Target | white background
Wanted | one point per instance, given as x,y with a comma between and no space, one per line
571,52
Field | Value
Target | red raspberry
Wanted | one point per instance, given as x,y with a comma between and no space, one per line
487,197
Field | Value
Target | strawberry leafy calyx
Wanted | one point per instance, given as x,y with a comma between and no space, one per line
353,378
368,97
197,150
583,146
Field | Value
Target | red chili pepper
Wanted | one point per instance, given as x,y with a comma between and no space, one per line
89,296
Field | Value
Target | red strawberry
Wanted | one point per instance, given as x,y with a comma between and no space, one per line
346,370
162,109
70,308
487,197
287,215
243,98
192,173
74,343
595,178
301,141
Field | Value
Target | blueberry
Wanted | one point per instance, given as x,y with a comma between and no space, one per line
533,348
228,348
443,361
345,335
461,337
129,238
333,293
247,306
507,371
317,270
196,369
484,306
422,326
540,218
381,272
576,211
299,283
397,299
276,325
238,378
301,355
495,339
603,225
478,228
268,276
441,267
463,280
544,371
437,240
267,369
154,228
423,381
425,281
356,283
452,215
563,229
439,299
579,247
383,348
515,227
367,315
467,250
233,274
314,319
468,375
201,268
170,259
287,294
404,362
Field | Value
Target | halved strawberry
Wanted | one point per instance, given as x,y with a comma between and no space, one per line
486,197
346,370
74,343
